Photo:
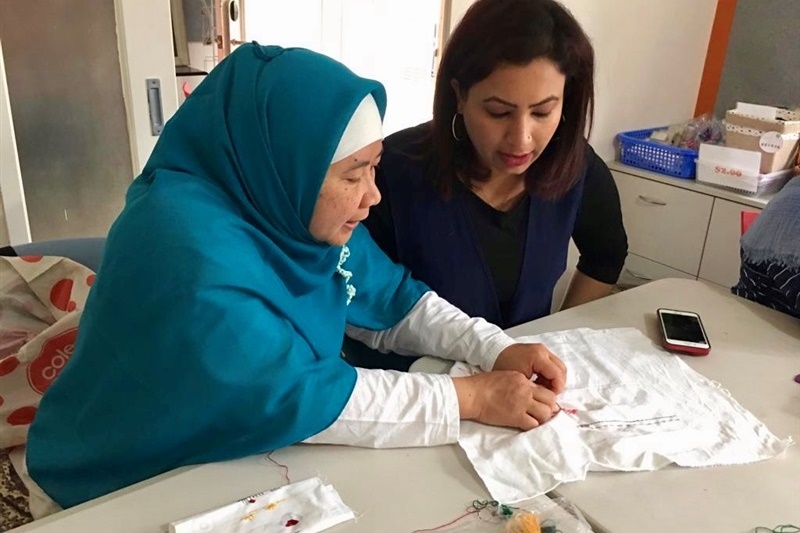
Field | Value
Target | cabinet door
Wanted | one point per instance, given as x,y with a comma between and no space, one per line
638,271
664,224
721,254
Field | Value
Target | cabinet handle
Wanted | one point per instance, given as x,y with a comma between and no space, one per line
651,201
637,276
154,106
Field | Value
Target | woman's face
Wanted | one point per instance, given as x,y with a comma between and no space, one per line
346,195
511,115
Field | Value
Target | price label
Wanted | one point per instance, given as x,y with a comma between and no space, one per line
771,142
725,171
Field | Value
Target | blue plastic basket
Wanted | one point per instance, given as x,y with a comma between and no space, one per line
637,151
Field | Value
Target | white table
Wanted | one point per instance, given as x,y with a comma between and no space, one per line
755,354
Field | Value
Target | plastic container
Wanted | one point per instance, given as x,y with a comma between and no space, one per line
752,185
637,151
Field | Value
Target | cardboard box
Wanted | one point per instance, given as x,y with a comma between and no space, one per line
773,132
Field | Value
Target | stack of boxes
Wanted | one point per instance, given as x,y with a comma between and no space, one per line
761,149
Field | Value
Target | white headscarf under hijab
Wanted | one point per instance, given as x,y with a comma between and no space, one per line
365,127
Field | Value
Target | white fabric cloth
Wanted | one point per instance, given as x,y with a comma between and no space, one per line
365,127
308,506
390,409
636,406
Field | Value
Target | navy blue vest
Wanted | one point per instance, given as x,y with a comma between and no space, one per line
436,241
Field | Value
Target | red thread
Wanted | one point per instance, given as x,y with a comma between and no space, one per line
282,466
292,522
568,411
437,528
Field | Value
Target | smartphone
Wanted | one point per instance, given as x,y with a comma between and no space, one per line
683,332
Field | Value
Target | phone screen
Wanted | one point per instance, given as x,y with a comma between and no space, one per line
683,328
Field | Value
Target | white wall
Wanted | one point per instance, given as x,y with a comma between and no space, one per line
14,227
386,40
295,23
649,56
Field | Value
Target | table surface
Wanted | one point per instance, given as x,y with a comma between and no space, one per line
755,354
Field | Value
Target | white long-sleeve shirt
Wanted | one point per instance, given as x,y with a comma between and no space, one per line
387,409
390,409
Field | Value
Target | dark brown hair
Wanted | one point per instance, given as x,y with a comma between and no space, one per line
496,32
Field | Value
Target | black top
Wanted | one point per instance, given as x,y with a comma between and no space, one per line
599,233
501,235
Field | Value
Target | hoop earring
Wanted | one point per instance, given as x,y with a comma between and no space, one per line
453,128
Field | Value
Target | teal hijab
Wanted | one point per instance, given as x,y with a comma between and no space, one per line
214,327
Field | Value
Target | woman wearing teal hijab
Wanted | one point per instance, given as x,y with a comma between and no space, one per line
214,327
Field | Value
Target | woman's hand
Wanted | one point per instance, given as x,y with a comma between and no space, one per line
504,398
530,359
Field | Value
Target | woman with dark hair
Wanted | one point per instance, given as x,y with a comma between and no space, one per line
480,203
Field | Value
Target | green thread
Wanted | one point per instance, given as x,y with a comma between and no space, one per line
505,512
498,509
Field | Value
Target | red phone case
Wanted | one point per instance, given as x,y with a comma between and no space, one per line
689,350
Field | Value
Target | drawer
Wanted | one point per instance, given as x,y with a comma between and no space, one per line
665,224
639,270
721,257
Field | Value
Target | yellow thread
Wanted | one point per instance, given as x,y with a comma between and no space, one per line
523,522
272,506
248,517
